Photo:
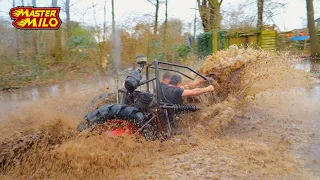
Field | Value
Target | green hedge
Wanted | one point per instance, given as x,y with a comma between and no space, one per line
204,43
222,40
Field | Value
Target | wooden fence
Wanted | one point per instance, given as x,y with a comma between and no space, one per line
265,39
268,39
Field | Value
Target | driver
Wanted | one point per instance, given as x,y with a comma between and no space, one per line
166,78
173,92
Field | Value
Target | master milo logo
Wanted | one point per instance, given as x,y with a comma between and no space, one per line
35,17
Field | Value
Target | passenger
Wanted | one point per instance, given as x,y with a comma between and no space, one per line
166,79
173,92
193,85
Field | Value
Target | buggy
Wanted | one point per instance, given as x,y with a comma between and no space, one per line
141,112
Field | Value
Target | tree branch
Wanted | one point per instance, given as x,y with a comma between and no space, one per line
220,2
10,2
199,4
151,2
74,3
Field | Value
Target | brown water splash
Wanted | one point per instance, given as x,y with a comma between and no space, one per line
40,141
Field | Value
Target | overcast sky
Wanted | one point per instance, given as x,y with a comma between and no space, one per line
128,11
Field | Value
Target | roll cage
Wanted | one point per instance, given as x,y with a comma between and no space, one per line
156,65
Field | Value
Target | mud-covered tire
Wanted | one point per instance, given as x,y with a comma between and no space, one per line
109,112
100,100
84,125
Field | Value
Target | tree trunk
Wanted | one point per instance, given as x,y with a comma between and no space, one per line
113,20
58,42
155,29
98,63
165,25
115,53
195,24
165,32
260,14
16,36
24,36
312,29
35,37
210,14
215,23
69,34
68,19
104,21
215,16
203,14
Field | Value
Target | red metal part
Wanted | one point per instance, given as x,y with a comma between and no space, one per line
126,128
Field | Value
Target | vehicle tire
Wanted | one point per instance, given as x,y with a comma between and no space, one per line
111,112
102,99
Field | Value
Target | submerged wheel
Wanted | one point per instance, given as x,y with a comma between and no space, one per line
116,127
102,99
119,114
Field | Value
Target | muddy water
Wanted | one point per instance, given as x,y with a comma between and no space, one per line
308,66
299,107
9,100
13,100
276,138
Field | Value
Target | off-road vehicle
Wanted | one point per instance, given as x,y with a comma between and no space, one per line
142,111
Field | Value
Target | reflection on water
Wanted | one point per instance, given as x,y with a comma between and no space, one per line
308,66
34,93
9,101
317,91
54,90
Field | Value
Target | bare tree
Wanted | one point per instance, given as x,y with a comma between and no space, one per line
164,43
68,28
210,14
113,20
271,8
16,36
195,24
58,42
24,34
260,14
155,28
165,24
102,59
67,6
312,29
236,18
35,36
156,18
104,21
98,30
